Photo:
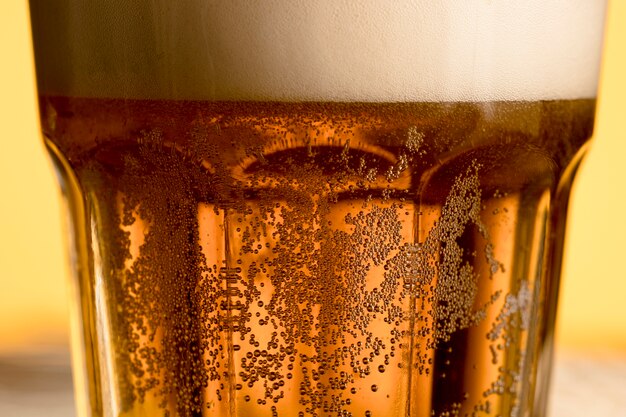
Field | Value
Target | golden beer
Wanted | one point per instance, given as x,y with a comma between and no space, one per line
315,208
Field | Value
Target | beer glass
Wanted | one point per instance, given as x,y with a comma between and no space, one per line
315,207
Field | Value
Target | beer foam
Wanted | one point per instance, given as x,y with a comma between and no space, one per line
326,50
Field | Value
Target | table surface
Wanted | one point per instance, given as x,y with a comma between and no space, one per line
584,384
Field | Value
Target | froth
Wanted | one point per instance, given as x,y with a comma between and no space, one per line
328,50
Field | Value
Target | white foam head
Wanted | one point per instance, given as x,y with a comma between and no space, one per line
328,50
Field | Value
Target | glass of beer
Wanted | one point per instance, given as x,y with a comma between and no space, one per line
315,207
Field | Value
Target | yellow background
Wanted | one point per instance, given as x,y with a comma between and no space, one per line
33,267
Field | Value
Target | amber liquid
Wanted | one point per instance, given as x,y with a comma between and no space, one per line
315,259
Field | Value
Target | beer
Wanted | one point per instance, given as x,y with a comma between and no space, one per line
317,258
287,210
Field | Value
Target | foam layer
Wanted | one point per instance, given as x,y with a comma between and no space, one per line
330,50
